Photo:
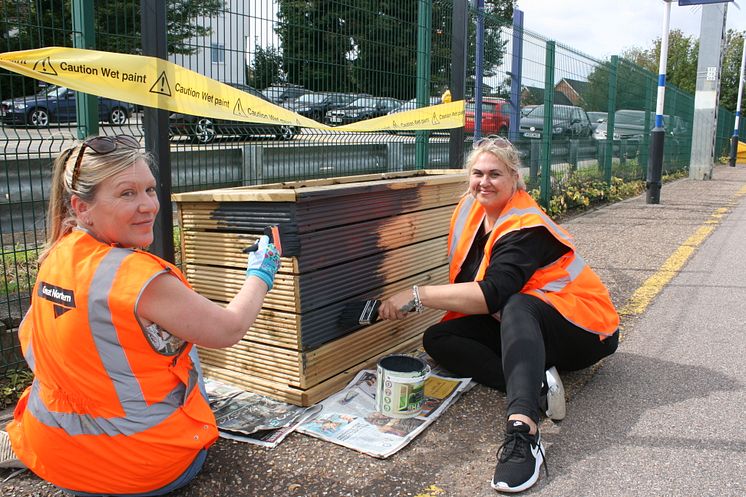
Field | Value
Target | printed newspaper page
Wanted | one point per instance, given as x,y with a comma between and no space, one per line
253,418
349,418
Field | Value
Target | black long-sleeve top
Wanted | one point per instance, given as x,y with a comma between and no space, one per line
515,257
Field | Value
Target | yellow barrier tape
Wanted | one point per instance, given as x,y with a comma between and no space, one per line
160,84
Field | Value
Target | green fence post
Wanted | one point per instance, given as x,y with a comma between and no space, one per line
546,137
424,42
611,106
84,36
650,89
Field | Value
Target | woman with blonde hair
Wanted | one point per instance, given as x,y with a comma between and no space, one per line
521,304
117,405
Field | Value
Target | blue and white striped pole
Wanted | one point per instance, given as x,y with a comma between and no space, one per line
734,138
658,133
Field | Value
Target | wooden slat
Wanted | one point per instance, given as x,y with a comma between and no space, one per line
317,393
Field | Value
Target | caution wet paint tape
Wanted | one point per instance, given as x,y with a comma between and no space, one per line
157,83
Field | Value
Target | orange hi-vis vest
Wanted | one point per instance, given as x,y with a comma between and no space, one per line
106,413
568,284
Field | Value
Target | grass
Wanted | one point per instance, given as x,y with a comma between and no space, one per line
19,269
12,385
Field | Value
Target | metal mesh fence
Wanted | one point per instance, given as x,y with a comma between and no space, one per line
335,61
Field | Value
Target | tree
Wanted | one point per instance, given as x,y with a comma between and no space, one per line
635,87
266,68
498,14
683,55
681,63
370,46
731,69
315,43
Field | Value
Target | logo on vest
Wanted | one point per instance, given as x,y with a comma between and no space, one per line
63,299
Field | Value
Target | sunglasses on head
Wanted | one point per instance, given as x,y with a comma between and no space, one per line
100,145
496,140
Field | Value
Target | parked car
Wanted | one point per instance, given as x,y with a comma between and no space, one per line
568,121
360,109
495,116
597,118
527,108
316,105
206,129
412,104
56,104
630,124
280,94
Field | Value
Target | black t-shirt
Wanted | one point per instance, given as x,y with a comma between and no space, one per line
515,258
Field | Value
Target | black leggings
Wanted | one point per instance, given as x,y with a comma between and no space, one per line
511,355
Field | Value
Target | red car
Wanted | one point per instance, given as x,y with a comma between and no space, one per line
495,116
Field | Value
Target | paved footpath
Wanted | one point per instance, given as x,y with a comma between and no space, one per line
664,416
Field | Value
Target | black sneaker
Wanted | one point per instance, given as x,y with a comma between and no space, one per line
519,459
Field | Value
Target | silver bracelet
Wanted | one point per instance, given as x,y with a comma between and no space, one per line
418,307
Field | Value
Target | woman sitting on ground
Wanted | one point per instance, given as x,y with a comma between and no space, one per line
521,304
117,406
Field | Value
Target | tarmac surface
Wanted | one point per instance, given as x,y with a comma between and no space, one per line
664,416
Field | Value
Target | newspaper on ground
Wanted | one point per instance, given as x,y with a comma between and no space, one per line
349,418
253,418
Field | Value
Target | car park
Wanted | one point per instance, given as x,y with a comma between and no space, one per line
57,104
568,121
206,129
495,116
316,105
360,109
280,94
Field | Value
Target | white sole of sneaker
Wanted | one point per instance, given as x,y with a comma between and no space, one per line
503,487
556,408
8,458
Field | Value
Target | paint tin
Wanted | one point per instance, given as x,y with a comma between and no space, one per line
401,385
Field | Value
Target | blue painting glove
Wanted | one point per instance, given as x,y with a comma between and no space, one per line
264,262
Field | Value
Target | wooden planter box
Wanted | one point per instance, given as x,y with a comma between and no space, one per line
360,237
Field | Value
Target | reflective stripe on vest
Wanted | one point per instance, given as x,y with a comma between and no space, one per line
117,367
573,271
459,223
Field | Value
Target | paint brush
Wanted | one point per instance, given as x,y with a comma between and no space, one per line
363,312
283,236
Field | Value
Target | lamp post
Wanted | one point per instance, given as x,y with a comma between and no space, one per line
658,133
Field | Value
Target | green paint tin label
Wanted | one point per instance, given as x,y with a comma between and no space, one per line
401,385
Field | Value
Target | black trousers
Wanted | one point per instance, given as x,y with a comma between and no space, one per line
512,355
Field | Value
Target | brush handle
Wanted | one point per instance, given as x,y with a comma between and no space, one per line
251,248
273,232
